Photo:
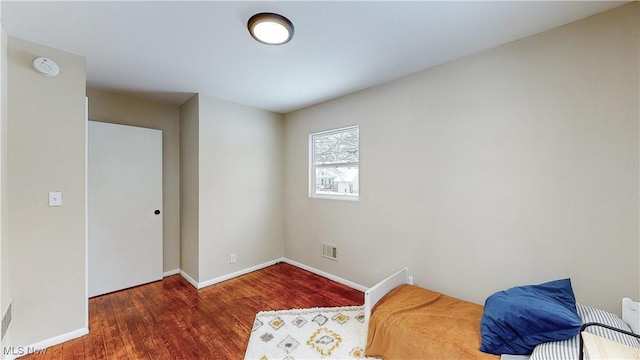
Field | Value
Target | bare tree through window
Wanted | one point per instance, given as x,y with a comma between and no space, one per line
336,148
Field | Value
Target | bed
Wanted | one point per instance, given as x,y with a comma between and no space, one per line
409,322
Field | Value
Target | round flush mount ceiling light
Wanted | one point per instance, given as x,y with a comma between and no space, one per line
271,29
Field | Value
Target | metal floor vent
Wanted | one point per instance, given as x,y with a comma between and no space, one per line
330,251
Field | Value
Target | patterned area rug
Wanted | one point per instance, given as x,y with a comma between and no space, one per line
320,333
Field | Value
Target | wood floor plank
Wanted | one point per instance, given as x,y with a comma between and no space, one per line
170,319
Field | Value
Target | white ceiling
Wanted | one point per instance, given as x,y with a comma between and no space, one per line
167,51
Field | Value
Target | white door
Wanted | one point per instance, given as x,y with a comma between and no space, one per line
124,204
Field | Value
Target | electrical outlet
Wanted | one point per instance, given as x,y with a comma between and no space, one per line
232,258
55,198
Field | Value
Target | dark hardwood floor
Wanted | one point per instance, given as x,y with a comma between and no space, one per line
170,319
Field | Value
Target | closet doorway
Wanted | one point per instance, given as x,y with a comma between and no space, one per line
124,187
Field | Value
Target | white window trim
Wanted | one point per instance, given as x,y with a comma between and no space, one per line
312,168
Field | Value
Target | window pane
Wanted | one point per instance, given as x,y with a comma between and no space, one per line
338,180
336,147
334,164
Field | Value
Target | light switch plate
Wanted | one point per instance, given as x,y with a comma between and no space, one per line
55,198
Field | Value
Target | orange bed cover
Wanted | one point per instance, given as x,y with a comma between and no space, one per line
415,323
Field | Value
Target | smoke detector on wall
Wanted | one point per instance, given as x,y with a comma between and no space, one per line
45,66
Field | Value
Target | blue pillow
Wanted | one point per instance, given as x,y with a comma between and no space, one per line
516,320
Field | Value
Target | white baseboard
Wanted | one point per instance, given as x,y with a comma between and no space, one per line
171,272
337,279
14,352
191,280
200,285
237,273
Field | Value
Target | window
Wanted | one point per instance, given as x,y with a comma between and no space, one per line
334,157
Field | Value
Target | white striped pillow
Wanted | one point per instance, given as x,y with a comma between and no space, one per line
568,349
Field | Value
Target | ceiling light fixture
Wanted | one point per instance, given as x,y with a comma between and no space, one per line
271,29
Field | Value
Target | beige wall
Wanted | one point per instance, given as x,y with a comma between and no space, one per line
240,177
516,165
4,263
189,187
127,110
231,177
45,152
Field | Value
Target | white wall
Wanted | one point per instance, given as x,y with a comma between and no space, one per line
516,165
45,152
240,179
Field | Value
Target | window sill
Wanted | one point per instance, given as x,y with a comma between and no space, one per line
335,197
